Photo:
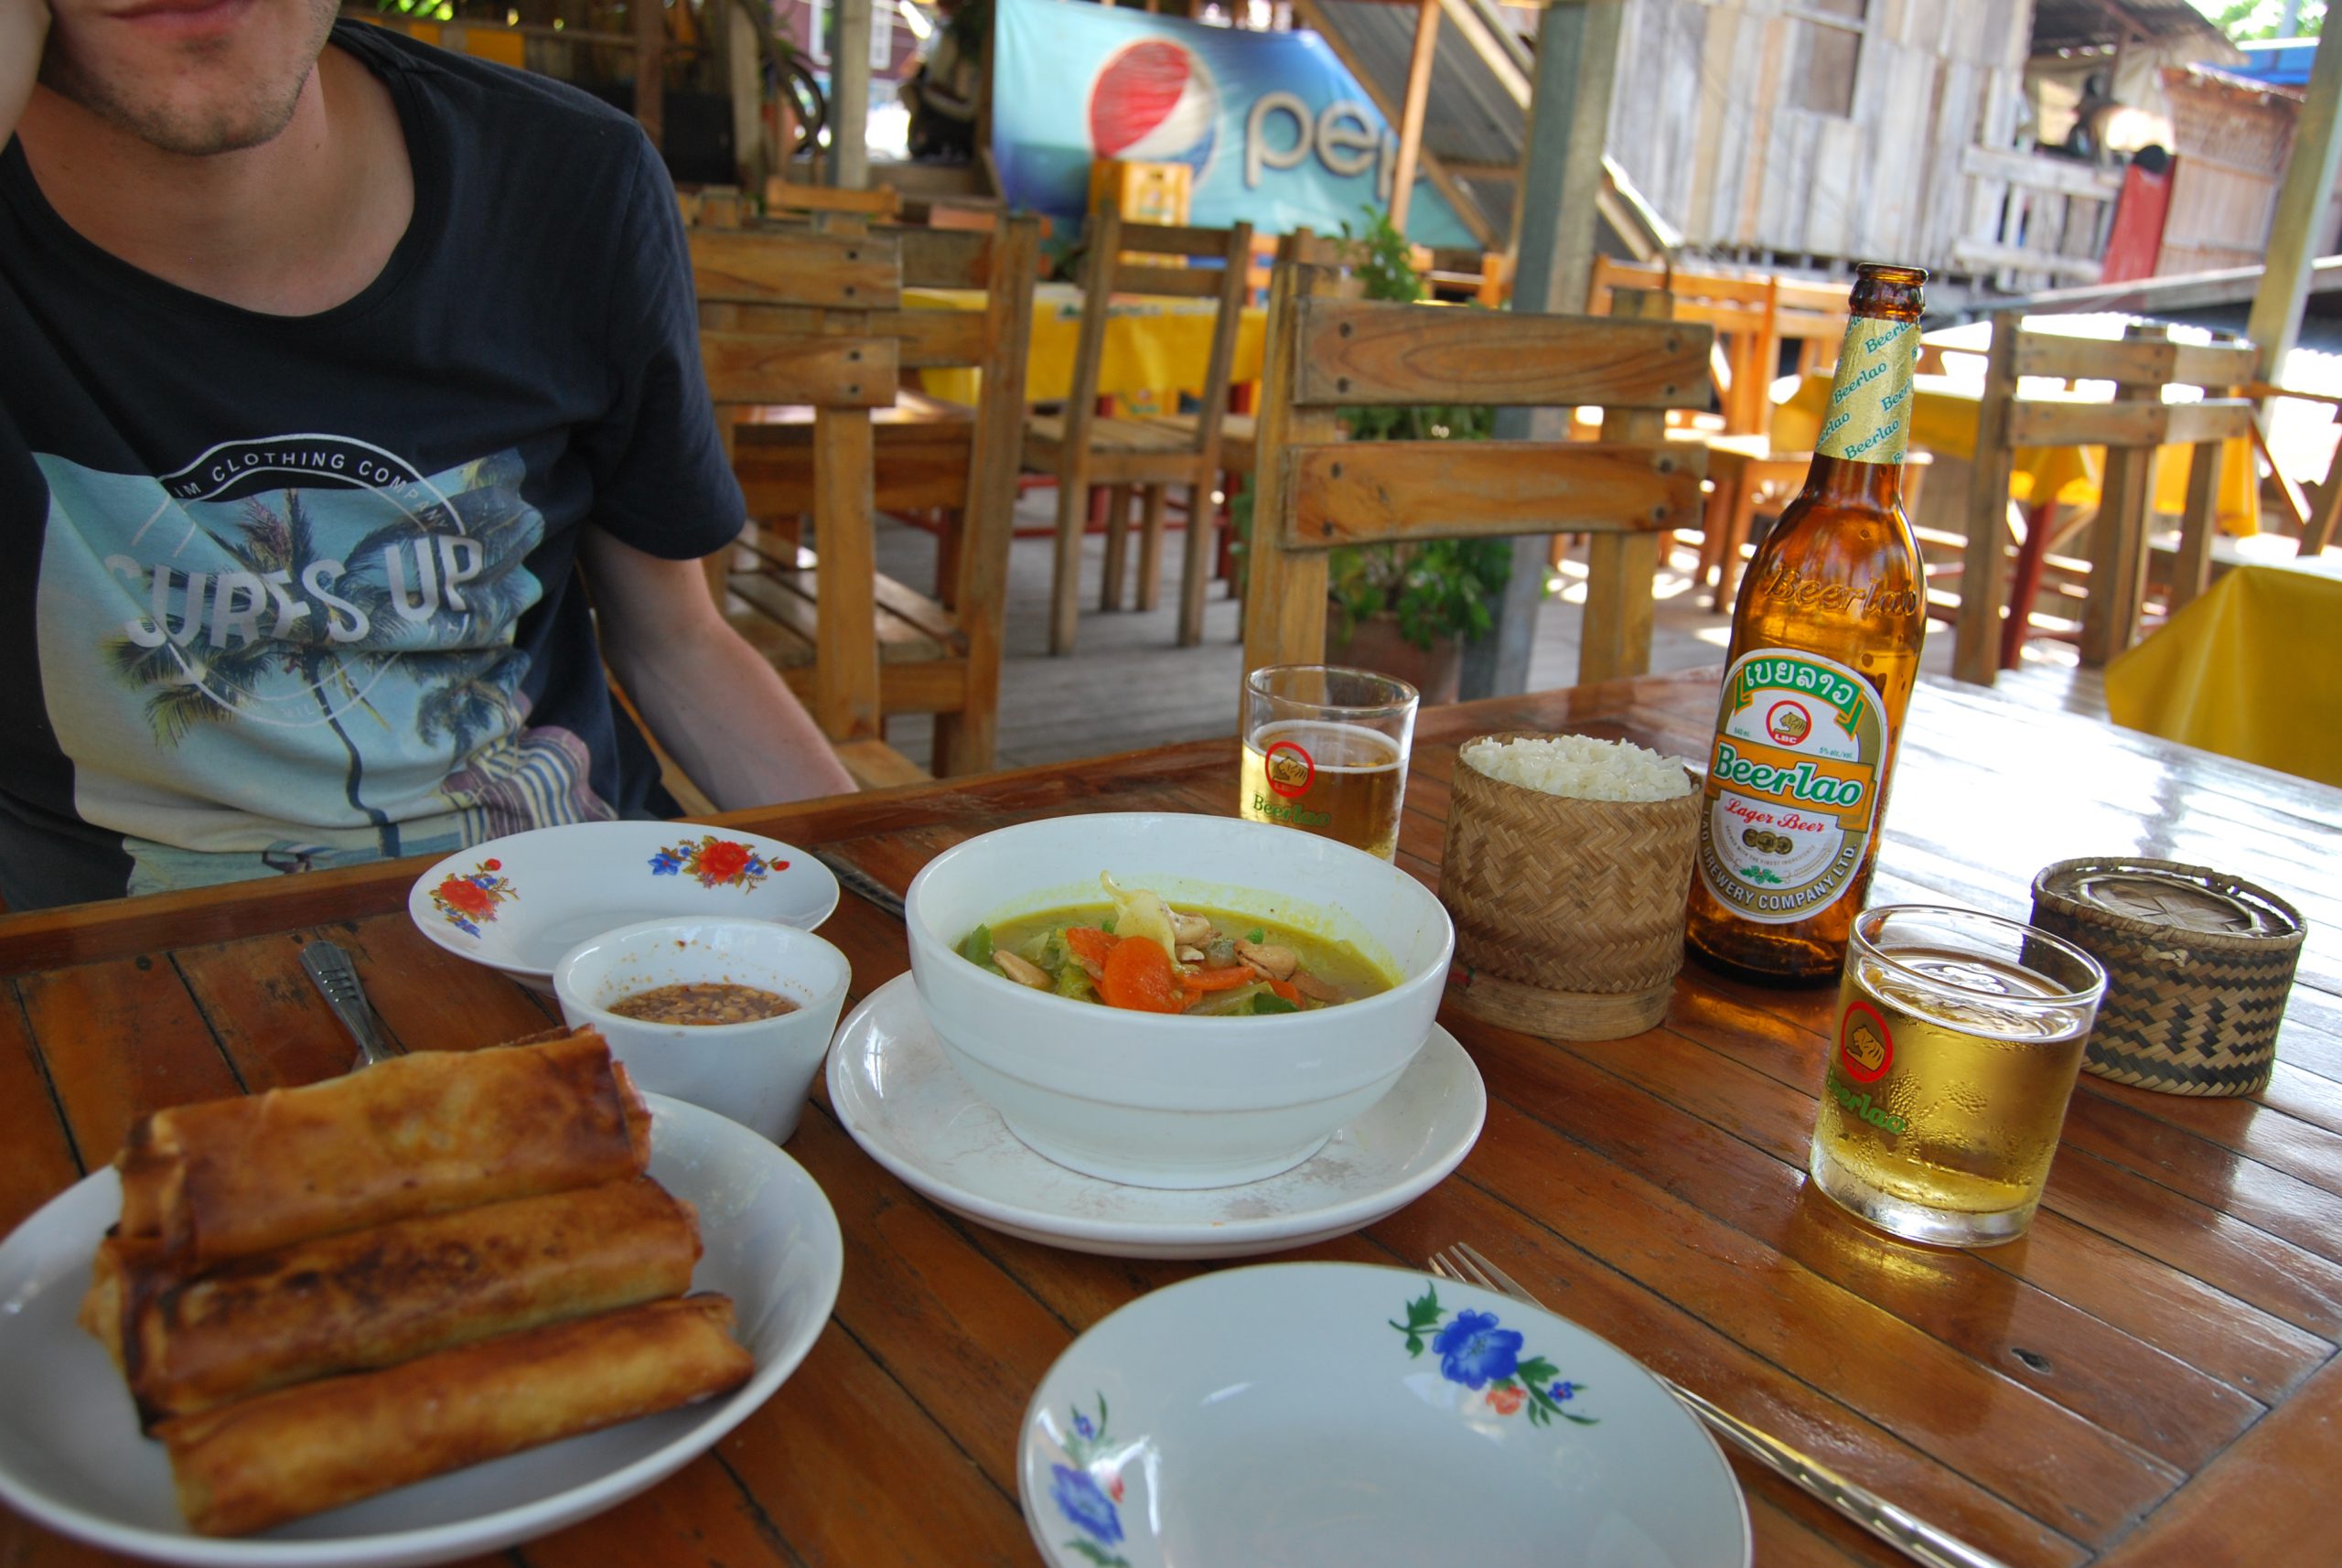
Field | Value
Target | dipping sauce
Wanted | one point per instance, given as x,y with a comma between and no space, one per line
707,1001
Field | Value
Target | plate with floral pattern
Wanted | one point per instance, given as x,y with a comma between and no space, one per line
1330,1415
518,903
895,1091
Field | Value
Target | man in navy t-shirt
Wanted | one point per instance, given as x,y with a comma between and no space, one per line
335,372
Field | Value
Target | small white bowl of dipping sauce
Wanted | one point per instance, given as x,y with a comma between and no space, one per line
733,1015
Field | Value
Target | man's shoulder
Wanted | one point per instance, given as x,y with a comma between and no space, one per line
494,99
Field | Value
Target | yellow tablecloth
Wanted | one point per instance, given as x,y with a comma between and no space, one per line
1943,421
2252,670
1153,344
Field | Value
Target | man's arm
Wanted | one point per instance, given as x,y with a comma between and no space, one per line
714,702
23,27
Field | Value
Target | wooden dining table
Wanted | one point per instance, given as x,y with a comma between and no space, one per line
2148,1377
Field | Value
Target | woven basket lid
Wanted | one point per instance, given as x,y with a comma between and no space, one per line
2146,897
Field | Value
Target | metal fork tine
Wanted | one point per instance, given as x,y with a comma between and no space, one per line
1491,1277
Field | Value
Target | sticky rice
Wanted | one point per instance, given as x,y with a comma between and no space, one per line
1581,766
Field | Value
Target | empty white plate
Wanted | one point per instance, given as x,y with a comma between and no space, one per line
71,1454
903,1103
517,904
1327,1415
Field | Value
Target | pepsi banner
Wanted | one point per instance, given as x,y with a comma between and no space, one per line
1277,130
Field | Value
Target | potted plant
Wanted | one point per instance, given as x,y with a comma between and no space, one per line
1407,609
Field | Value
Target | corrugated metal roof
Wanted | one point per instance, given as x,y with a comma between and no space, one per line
2078,24
1472,118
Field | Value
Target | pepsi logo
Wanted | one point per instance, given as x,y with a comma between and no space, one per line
1153,101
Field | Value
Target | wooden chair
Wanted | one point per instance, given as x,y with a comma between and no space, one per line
1316,491
2142,364
807,320
880,203
1084,448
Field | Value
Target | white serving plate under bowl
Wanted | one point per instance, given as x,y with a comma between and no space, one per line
71,1454
1167,1100
1330,1415
756,1072
517,904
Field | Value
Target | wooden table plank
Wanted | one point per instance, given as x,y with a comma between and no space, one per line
2151,1375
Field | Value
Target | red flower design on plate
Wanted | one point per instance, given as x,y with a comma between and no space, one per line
468,901
721,860
1505,1398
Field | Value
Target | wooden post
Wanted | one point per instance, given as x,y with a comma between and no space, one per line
650,69
2118,555
2276,319
850,96
1569,114
744,78
1984,569
1614,636
1411,110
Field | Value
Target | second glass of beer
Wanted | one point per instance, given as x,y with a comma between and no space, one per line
1326,751
1958,1038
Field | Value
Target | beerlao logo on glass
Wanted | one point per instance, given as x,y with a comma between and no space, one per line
1290,768
1865,1045
1788,724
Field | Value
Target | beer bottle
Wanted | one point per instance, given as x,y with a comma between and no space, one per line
1825,647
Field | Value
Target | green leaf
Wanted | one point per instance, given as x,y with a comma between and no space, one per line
1581,1420
1538,1372
1273,1004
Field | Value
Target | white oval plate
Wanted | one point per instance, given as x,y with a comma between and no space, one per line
893,1089
517,904
1284,1415
71,1454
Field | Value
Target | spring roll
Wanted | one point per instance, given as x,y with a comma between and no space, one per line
374,1298
424,1134
302,1450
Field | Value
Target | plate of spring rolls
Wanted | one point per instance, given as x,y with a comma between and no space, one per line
421,1311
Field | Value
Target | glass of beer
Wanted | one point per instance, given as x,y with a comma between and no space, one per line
1326,751
1958,1040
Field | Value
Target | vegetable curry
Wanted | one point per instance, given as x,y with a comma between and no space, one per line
1133,950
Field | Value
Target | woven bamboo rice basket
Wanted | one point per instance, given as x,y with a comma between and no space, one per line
1569,913
2197,967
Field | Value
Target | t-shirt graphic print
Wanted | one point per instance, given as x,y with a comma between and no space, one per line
298,651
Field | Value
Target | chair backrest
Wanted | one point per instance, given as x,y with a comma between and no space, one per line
1741,309
783,197
1135,258
1316,491
1813,315
808,316
2143,365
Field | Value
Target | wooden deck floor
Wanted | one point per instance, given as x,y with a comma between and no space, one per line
1127,685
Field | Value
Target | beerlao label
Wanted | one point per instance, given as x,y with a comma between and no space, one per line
1869,420
1793,785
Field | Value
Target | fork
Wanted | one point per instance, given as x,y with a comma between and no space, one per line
337,977
1914,1537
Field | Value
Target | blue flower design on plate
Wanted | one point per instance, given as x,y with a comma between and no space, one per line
1081,1499
1474,1352
1478,1352
1087,1490
666,862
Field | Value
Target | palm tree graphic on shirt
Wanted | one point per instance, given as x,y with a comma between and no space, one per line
194,684
389,607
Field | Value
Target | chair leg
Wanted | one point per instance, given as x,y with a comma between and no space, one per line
1736,534
1065,589
950,521
1195,564
1150,545
1118,543
2024,585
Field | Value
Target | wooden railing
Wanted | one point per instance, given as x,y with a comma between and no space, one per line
2034,220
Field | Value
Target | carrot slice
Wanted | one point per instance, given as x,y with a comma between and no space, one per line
1138,976
1284,988
1090,942
1204,979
